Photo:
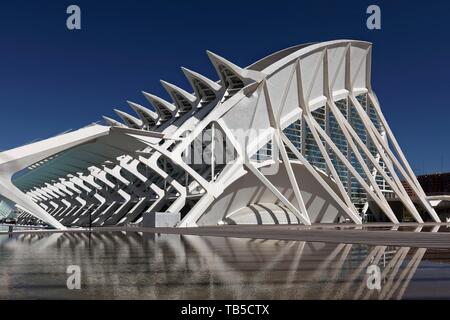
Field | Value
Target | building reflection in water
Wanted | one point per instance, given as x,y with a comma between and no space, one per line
134,265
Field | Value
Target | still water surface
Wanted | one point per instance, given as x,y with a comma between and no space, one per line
134,265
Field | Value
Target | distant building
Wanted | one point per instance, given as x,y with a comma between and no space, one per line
435,183
437,188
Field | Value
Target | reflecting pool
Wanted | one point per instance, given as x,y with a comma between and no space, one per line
135,265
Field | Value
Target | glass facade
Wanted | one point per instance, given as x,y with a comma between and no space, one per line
302,138
294,134
312,152
338,138
373,115
264,153
357,192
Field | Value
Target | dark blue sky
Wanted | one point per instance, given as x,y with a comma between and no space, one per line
53,79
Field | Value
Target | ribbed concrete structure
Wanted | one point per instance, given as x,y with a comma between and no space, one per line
297,137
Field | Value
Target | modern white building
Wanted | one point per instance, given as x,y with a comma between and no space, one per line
297,137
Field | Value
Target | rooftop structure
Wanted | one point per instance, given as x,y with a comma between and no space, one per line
297,138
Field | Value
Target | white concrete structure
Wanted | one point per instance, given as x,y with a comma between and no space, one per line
297,137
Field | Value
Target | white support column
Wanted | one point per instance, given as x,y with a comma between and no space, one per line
409,176
397,188
275,122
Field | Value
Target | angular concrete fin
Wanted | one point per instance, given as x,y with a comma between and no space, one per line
183,100
129,120
205,89
232,76
113,123
149,117
165,109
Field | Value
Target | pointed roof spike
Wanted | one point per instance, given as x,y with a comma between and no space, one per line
131,121
165,109
246,76
149,117
113,123
194,75
205,89
182,99
152,98
215,58
170,88
141,109
225,69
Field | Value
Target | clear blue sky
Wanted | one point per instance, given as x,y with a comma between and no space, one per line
53,79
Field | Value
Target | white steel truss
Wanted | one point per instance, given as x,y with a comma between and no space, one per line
301,131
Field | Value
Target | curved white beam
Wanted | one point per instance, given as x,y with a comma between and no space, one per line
113,123
165,109
226,70
130,121
14,160
205,89
149,117
183,100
